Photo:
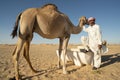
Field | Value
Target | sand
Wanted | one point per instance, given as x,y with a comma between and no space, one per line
44,59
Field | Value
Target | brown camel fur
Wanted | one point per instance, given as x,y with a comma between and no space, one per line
49,23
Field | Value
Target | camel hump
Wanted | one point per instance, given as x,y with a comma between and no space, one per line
50,6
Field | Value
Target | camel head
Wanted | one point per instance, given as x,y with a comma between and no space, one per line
83,21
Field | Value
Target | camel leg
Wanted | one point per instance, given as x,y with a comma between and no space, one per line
26,55
59,52
64,47
14,50
15,56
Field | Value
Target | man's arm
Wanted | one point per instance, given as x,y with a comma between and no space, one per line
99,37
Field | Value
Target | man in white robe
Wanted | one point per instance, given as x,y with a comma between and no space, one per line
94,41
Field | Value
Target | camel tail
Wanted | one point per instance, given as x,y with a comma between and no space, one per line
14,32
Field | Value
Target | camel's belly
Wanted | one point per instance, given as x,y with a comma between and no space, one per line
48,35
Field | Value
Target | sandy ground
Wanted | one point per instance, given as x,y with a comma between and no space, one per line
44,59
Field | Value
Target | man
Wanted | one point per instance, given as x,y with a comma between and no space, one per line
94,41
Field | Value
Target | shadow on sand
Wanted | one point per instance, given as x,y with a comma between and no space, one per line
106,60
110,59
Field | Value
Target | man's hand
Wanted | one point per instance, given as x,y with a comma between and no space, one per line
99,46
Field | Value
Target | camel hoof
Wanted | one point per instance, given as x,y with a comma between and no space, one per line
15,78
12,78
65,72
59,67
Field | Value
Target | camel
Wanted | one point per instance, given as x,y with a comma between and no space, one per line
48,22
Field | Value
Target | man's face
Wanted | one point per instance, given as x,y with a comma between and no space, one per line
92,22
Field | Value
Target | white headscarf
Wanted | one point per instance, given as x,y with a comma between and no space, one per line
91,18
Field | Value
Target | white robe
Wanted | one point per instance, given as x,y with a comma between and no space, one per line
94,39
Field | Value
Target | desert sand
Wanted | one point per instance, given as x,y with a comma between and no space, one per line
44,59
